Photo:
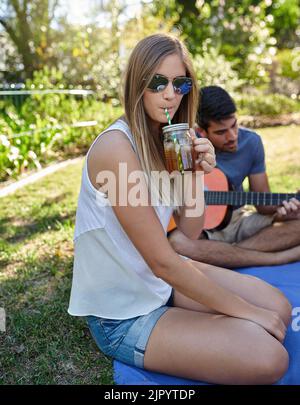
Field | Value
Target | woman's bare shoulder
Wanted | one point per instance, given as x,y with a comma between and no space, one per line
109,141
108,151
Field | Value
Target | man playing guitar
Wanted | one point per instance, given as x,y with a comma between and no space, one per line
268,235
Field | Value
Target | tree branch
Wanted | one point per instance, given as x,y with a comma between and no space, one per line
16,6
52,11
10,31
25,2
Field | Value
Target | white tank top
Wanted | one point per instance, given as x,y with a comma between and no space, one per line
110,277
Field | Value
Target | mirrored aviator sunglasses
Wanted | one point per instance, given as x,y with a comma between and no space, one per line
181,84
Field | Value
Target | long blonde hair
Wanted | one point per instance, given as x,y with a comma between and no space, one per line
143,62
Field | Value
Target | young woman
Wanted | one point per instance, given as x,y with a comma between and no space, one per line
146,305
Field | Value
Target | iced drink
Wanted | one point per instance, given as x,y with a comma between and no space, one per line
178,147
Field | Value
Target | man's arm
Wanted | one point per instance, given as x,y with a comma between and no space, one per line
260,182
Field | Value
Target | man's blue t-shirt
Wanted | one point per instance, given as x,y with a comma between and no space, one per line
248,159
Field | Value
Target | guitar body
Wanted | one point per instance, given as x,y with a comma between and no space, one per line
216,216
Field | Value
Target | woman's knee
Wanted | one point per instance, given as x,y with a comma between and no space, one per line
273,365
282,306
270,361
278,301
285,309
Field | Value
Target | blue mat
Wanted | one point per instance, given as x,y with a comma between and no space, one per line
287,279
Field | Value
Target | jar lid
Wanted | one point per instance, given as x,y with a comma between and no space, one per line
175,127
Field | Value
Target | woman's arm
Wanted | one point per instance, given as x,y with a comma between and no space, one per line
190,219
144,229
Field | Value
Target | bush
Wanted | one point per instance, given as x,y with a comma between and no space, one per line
213,69
284,72
289,63
271,104
45,127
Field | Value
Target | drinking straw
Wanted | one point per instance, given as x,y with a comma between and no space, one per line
168,116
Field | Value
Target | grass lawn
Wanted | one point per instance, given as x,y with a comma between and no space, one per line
42,343
282,146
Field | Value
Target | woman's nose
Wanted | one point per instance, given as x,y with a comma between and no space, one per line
169,91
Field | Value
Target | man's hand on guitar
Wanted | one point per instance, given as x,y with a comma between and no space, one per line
205,153
289,210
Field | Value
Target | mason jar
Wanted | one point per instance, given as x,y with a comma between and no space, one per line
178,147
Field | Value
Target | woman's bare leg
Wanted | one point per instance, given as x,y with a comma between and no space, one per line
214,348
252,289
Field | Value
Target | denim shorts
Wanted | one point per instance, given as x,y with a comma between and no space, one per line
126,340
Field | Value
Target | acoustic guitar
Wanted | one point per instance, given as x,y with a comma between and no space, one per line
220,199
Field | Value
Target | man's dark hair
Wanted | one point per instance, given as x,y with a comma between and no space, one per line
215,104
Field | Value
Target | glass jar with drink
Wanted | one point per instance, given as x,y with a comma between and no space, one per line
178,148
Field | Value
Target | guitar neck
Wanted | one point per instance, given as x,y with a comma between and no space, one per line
237,198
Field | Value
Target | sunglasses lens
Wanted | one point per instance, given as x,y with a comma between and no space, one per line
158,83
183,85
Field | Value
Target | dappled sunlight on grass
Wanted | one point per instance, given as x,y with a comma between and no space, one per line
43,344
282,146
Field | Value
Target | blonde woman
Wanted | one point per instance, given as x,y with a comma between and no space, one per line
146,305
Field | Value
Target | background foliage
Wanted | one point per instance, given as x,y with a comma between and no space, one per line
250,47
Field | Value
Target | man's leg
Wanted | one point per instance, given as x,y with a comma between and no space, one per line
226,255
279,236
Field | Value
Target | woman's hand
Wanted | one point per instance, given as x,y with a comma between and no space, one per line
205,158
270,321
